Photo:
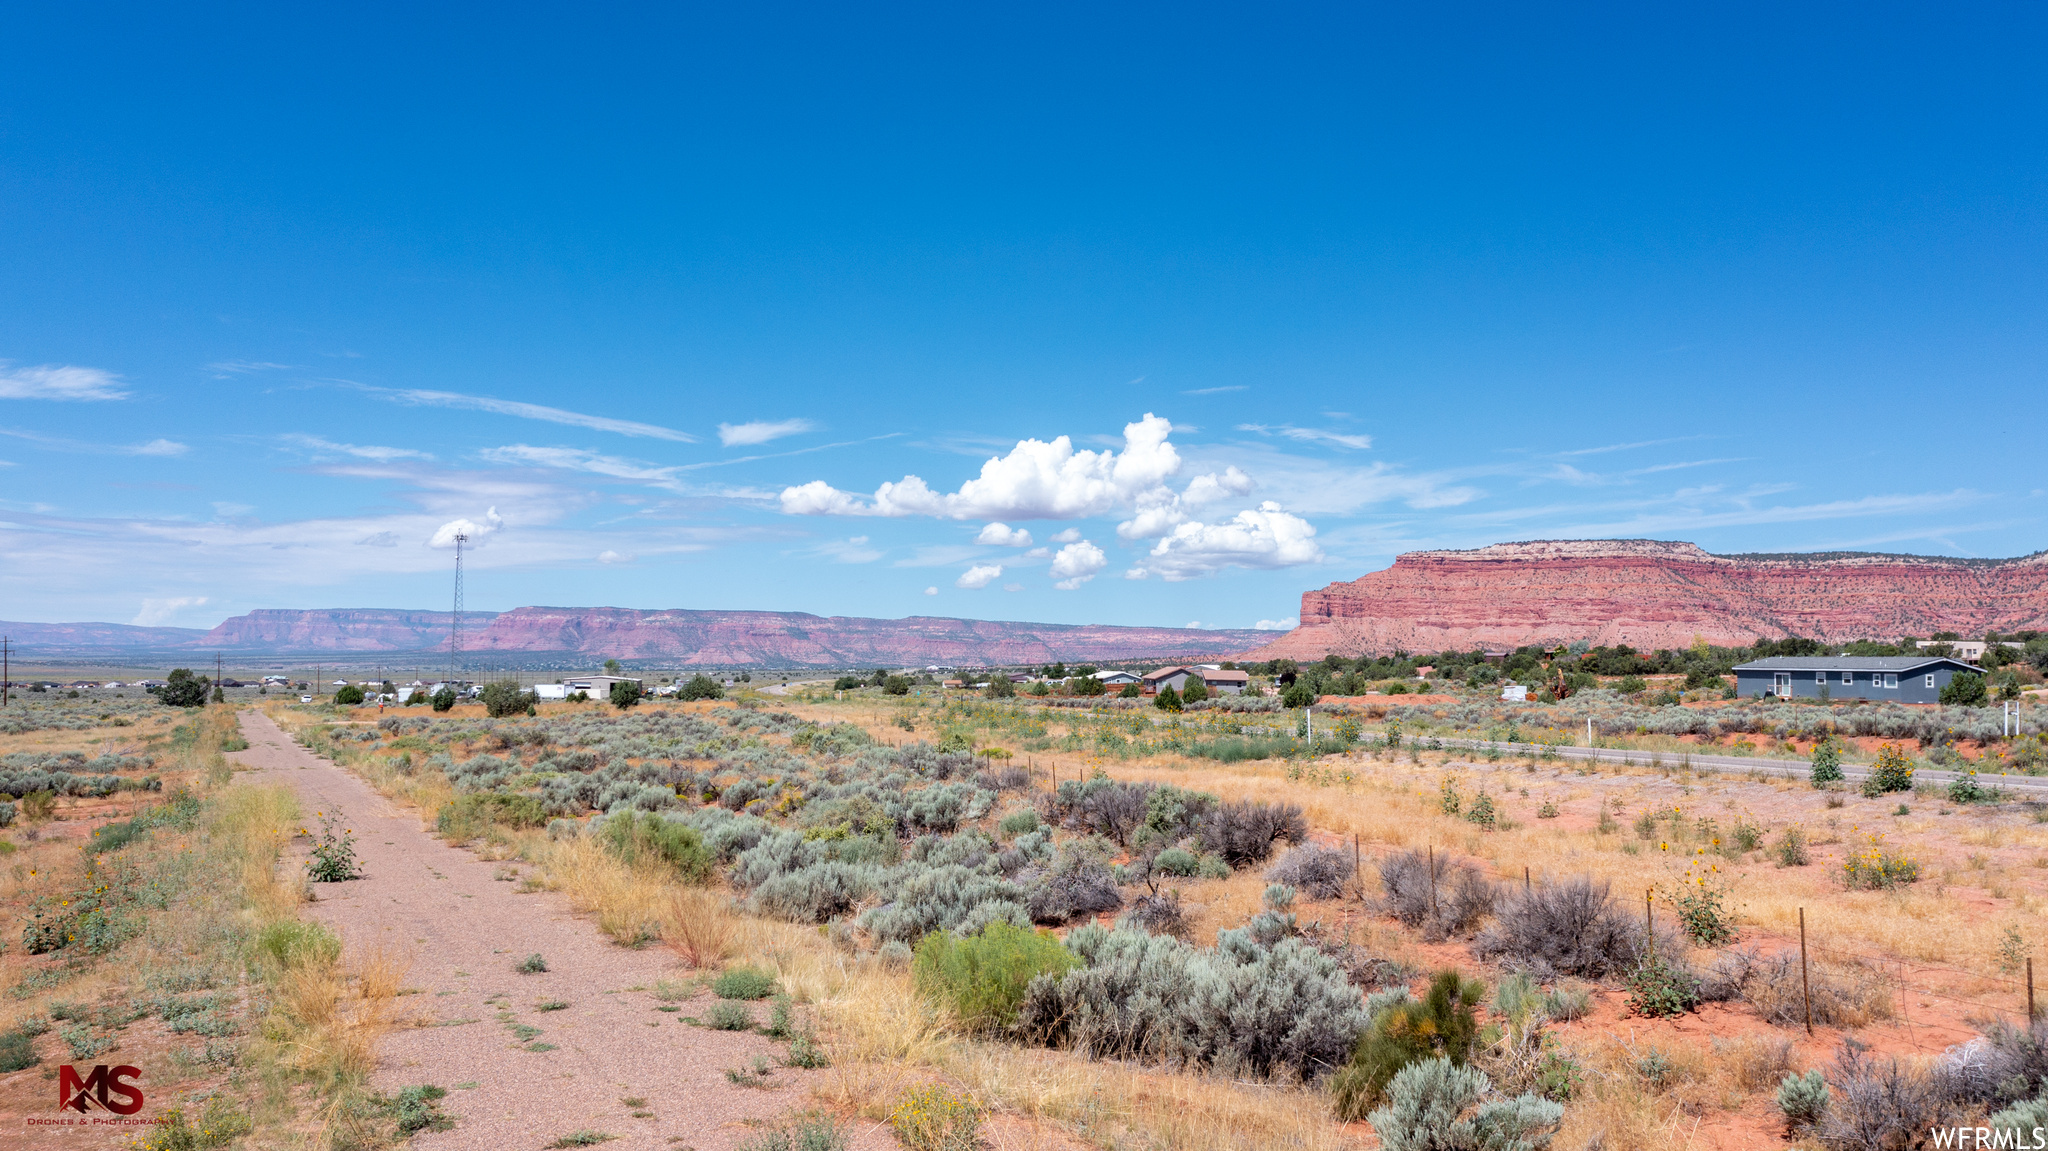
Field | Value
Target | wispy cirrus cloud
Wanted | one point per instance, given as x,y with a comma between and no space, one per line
156,447
360,451
761,431
1216,391
525,411
1310,435
59,382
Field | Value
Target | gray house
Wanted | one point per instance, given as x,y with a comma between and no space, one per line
1899,678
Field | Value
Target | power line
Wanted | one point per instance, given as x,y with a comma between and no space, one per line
455,622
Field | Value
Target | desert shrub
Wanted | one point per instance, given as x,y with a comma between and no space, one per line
817,893
1461,896
1844,996
942,899
296,943
1878,1102
1160,914
504,698
417,1108
466,816
1078,883
1403,1031
1565,1003
935,1117
1891,772
983,977
642,838
533,964
1827,762
729,1015
1660,987
17,1051
1239,1008
1877,866
1244,833
1790,850
1427,1111
1103,806
743,983
1320,871
349,695
812,1131
1568,928
1018,823
1173,814
1803,1099
1176,862
2010,1063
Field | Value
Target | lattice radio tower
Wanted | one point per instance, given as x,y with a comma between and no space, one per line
455,623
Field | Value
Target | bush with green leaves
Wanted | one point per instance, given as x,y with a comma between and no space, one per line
921,900
1965,689
183,689
625,693
729,1015
444,699
743,983
1660,987
1240,1007
1177,862
349,695
1018,823
1891,772
811,1131
1079,882
643,838
1802,1099
983,977
1437,1105
1404,1030
1827,762
504,698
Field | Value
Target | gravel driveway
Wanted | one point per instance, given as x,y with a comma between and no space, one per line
464,931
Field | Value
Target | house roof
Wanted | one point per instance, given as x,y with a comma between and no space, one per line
1214,675
1166,673
1898,663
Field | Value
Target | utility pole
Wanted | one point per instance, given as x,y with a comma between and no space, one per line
455,621
6,669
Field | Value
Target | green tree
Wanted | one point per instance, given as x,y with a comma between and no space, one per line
1965,690
1085,685
1193,690
611,667
349,696
1000,687
1298,694
1442,1024
625,694
183,690
896,685
1167,699
504,698
701,686
1131,691
444,699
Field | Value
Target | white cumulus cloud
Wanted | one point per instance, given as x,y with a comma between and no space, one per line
1003,535
1076,564
979,576
1066,536
444,536
931,591
156,612
59,382
761,431
608,556
1048,481
1265,537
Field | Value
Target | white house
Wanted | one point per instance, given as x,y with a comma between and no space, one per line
1116,678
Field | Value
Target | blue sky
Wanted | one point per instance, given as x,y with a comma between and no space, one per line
657,300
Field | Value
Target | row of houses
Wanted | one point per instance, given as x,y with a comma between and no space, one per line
1215,678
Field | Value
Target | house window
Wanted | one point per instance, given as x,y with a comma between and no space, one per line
1848,677
1891,679
1820,677
1930,681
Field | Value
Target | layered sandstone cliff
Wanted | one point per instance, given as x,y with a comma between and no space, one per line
1653,594
675,638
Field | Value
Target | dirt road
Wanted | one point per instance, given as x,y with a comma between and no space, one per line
464,928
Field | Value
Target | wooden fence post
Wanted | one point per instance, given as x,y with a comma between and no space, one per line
1432,881
2030,992
1805,987
1357,872
1649,926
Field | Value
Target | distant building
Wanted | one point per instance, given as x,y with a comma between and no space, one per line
1158,681
1226,682
1116,678
1900,678
1968,650
1515,693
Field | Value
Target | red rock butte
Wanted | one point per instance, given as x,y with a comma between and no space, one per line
1652,594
